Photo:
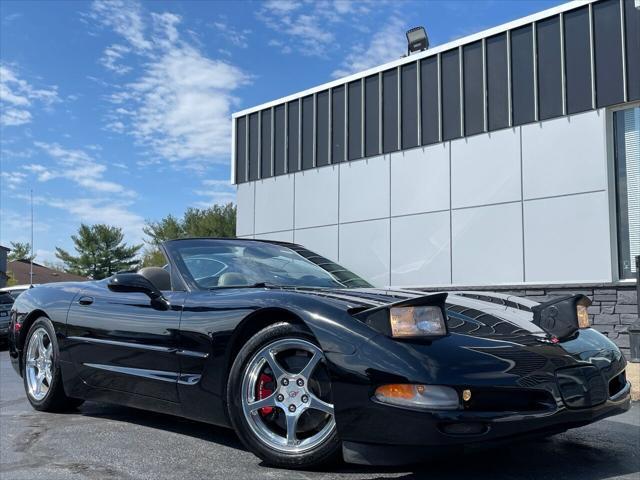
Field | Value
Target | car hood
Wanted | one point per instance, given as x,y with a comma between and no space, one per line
480,314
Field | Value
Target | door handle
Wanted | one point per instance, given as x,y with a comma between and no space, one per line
85,300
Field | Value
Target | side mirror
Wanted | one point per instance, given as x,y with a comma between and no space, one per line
133,282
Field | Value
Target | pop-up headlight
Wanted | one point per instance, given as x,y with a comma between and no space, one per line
425,321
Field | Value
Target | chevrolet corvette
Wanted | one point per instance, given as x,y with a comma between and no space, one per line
308,362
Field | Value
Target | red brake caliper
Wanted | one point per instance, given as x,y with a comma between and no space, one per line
264,392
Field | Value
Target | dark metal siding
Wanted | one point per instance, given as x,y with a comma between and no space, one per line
473,88
608,53
450,95
241,149
278,139
265,144
497,82
307,132
577,58
409,97
337,125
522,97
390,110
632,34
254,166
549,68
429,109
354,99
293,136
371,115
322,129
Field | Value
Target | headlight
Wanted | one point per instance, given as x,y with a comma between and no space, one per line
427,321
583,316
431,397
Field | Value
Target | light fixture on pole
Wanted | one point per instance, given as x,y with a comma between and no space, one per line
417,40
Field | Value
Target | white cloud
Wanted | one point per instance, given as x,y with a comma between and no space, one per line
180,105
18,97
215,192
12,180
125,18
308,27
183,104
112,56
282,7
76,166
384,46
18,225
238,38
97,210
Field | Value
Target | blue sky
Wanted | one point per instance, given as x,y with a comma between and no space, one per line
119,112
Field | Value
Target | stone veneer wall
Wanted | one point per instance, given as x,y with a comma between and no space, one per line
614,307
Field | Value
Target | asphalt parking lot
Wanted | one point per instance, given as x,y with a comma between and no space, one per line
109,442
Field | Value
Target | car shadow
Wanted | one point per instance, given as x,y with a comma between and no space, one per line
165,422
572,455
589,453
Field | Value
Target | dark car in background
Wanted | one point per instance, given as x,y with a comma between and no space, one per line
6,302
308,362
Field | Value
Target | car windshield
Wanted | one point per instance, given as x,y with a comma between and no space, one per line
243,263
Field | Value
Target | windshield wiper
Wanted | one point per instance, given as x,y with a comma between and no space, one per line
252,285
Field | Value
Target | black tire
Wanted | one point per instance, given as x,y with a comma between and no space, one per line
55,399
325,453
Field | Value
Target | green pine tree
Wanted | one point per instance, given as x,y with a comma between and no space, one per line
20,251
216,221
101,252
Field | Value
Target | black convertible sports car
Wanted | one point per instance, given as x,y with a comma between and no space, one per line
307,361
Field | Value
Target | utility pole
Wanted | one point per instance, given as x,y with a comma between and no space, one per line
31,256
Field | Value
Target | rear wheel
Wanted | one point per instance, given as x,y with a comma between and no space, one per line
279,397
41,370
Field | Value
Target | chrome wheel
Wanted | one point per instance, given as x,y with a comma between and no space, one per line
286,397
38,364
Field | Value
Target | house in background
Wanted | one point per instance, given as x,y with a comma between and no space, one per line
20,272
3,266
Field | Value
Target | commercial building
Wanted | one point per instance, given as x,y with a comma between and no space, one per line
507,159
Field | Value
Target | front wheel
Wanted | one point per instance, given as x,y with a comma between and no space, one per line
279,397
41,370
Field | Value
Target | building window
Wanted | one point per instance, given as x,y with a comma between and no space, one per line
626,125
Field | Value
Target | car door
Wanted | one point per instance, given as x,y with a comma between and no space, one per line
118,341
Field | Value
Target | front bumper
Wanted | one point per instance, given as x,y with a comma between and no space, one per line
428,440
519,389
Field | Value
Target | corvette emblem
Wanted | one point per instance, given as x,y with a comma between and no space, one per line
293,394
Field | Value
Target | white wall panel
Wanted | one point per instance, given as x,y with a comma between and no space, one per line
564,155
420,180
321,240
277,236
364,189
567,239
316,197
487,244
485,169
364,249
274,204
244,199
420,253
